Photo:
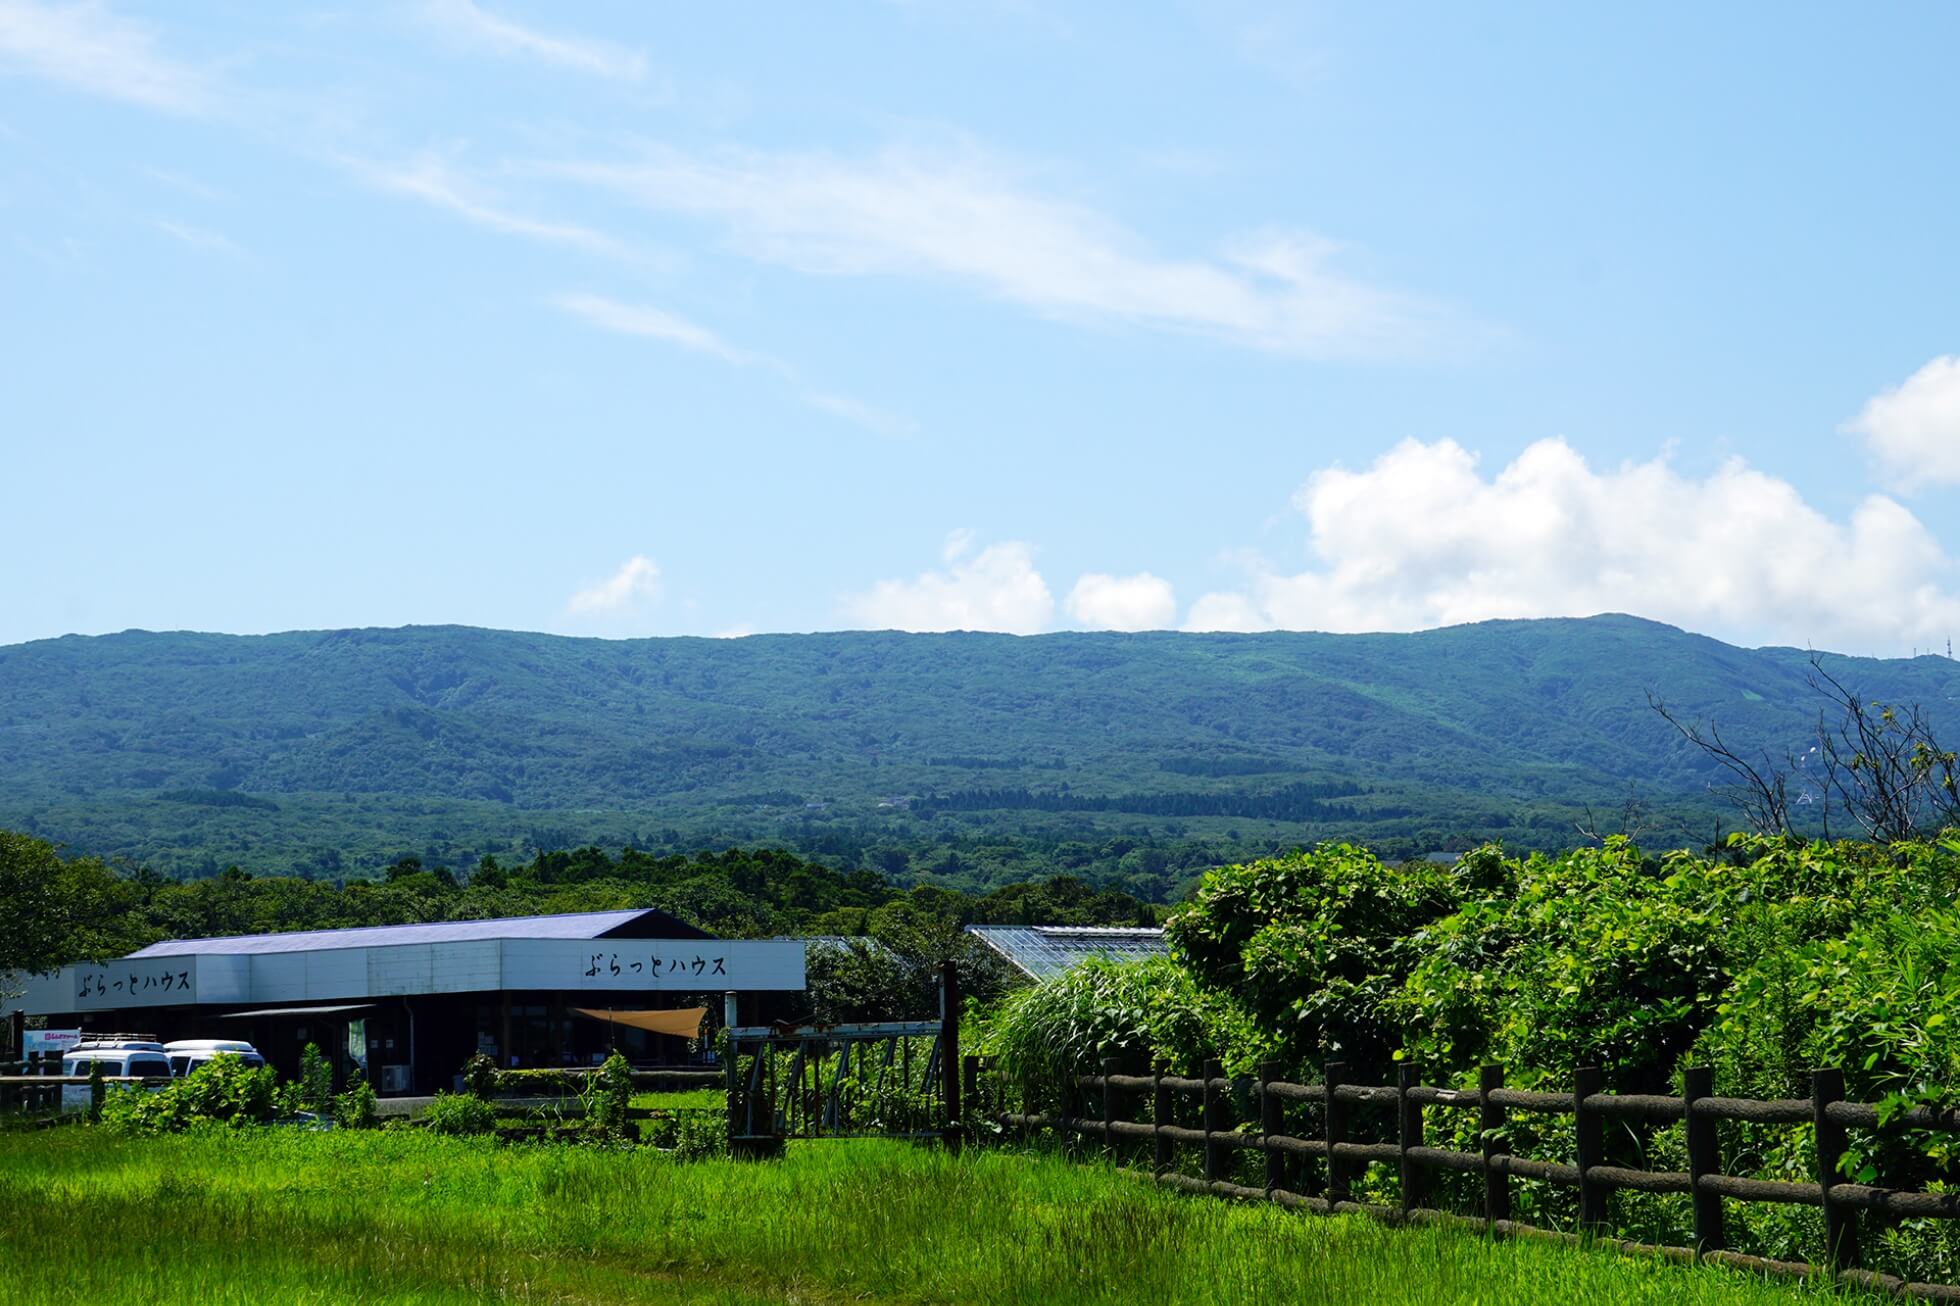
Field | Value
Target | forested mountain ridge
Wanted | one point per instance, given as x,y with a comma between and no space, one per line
304,749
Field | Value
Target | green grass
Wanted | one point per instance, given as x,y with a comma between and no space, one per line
274,1215
690,1099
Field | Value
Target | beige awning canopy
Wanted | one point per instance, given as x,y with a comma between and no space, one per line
682,1023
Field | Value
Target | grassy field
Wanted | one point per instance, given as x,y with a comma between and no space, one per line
274,1215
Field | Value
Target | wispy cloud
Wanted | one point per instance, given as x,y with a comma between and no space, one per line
470,24
964,217
636,584
203,238
873,419
652,323
434,182
87,46
187,184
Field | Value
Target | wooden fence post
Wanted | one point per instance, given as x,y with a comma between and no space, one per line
1590,1128
1338,1185
1408,1133
1111,1067
1218,1120
1272,1123
1840,1221
1704,1158
1162,1150
1491,1128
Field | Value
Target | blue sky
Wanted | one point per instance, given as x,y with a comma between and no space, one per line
624,320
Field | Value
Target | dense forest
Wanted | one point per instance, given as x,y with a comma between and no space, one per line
64,909
961,760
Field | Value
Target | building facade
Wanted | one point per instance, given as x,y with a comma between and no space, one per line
408,1004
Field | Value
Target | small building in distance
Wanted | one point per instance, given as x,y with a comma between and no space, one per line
411,1003
1041,952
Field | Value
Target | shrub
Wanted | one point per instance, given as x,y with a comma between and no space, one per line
540,1083
315,1079
700,1135
1314,944
355,1109
223,1090
460,1113
1136,1010
610,1097
480,1076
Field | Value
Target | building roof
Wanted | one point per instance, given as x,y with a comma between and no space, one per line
639,923
1044,951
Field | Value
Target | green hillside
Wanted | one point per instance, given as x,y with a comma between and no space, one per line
331,752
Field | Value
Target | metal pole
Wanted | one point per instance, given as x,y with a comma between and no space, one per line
949,1051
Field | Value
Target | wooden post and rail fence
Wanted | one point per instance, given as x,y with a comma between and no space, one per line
1321,1173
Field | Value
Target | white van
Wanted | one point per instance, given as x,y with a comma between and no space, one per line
187,1054
116,1057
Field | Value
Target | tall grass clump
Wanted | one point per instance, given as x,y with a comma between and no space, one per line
1136,1011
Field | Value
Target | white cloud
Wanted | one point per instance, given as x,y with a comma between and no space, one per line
1139,602
1421,539
88,47
652,323
635,585
962,217
996,588
470,24
1914,429
434,182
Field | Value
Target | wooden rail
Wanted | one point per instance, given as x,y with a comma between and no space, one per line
1328,1186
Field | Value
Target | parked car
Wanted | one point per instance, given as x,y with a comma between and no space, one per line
116,1057
187,1054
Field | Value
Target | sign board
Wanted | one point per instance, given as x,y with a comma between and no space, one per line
51,1040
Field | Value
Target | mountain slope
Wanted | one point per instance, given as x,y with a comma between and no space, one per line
178,747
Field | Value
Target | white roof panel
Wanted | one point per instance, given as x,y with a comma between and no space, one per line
574,925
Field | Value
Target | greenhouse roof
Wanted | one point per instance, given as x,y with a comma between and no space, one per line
1044,951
